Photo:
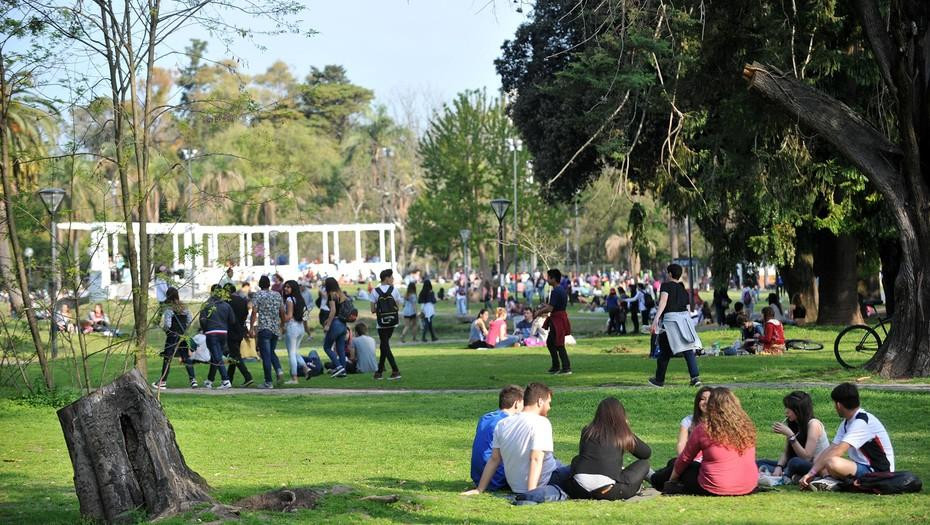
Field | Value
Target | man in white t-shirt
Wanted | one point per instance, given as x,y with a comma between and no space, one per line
523,443
861,435
385,289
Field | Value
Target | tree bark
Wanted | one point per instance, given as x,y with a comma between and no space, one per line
6,273
673,236
125,455
800,280
839,278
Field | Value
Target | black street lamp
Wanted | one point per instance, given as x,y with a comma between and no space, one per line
500,207
51,198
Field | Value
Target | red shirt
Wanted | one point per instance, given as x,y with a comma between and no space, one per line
724,471
774,333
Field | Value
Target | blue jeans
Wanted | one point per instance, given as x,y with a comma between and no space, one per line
334,343
665,355
460,305
216,343
795,467
508,342
266,341
554,490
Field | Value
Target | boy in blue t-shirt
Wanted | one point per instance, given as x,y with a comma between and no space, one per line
510,402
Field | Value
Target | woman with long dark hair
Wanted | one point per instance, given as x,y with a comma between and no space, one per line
175,320
727,440
334,343
478,334
294,307
410,313
805,438
597,470
687,424
427,302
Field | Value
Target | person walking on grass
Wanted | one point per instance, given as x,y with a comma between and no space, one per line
427,302
410,313
237,332
676,334
175,319
294,308
385,307
267,313
335,326
557,323
216,318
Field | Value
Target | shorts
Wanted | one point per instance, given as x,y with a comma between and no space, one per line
862,469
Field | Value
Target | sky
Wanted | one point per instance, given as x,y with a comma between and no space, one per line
429,48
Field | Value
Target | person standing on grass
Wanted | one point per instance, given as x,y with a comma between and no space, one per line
175,319
523,444
237,332
461,297
612,304
427,302
267,314
385,306
294,308
557,323
334,343
597,470
216,318
410,313
677,334
509,402
861,435
726,439
634,304
805,439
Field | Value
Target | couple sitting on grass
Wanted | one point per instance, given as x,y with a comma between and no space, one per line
513,449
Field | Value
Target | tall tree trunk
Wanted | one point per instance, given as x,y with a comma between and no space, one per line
7,275
800,280
838,271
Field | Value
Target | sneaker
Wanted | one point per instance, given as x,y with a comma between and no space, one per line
653,382
208,385
280,376
160,386
194,383
266,386
225,385
553,370
696,381
768,480
290,382
248,383
825,484
565,372
338,370
435,339
394,376
379,375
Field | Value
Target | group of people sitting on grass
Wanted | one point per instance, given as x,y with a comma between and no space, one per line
529,330
513,449
97,321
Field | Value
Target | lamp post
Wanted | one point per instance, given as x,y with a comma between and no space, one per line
28,253
500,210
187,155
51,198
465,234
515,146
387,154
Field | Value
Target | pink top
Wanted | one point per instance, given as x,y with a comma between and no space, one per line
496,331
724,471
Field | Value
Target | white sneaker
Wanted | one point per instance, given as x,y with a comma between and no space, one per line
290,382
208,385
825,484
768,480
160,386
338,371
225,385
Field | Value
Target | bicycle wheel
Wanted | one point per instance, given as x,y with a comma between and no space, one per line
803,344
855,345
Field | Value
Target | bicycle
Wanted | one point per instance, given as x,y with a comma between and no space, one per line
856,344
802,344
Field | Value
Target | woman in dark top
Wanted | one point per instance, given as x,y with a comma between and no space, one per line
673,298
597,471
557,323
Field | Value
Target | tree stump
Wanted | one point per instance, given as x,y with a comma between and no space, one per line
125,456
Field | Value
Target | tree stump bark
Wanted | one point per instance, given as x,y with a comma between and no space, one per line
125,456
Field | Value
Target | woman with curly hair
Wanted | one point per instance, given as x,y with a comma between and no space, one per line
726,438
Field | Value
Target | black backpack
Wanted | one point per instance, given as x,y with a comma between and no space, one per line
900,482
346,311
386,308
648,301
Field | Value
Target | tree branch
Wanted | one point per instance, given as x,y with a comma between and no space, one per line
880,40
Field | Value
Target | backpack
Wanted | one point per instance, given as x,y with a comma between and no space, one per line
900,482
747,297
386,308
649,301
346,311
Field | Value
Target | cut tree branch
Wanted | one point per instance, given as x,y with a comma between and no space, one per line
880,40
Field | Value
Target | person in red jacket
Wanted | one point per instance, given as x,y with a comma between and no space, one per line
727,439
773,340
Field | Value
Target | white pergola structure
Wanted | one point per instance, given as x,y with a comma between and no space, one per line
201,258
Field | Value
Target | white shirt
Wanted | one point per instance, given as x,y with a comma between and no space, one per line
395,294
161,288
868,441
517,436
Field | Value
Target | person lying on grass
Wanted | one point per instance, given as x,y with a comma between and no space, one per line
805,439
597,470
509,402
523,443
726,438
861,435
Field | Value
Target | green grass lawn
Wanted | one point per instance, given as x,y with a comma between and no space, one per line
417,447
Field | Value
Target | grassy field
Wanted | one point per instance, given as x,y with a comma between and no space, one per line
417,447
